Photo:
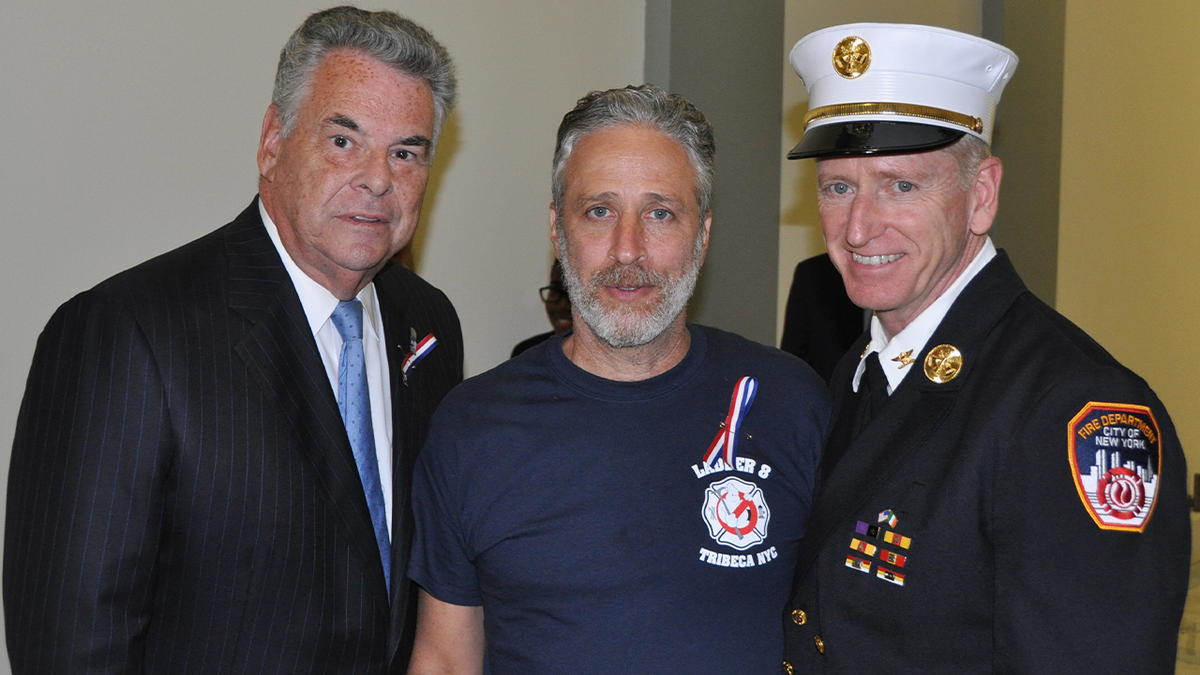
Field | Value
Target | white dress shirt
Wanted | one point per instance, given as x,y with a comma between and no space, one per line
318,305
914,336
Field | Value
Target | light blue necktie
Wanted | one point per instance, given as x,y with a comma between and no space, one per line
354,400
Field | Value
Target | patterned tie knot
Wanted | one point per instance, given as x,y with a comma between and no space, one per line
347,318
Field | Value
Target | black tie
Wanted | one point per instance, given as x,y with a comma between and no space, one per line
873,392
857,411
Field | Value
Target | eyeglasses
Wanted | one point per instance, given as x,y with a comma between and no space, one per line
552,294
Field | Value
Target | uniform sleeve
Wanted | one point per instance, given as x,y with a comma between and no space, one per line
85,496
441,561
1078,587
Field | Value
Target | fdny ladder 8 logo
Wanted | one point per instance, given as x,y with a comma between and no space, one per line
736,513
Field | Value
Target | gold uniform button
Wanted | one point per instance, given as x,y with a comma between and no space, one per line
799,617
819,643
787,668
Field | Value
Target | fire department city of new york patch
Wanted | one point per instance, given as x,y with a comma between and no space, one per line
1115,454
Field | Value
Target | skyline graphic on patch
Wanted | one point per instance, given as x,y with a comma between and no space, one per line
1115,451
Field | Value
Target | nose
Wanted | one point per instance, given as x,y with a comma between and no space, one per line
375,174
628,244
863,222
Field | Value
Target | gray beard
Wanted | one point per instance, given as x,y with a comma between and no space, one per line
624,325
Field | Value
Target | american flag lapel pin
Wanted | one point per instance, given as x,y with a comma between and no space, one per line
417,351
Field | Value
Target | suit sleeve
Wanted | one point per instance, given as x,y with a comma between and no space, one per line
1070,595
85,496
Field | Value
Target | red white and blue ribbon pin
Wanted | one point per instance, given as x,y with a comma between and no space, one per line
419,351
724,446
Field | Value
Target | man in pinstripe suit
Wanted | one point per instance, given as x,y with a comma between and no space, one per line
183,495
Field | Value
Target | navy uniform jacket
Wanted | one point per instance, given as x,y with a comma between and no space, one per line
182,496
953,536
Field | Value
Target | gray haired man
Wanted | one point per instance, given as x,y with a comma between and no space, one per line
627,497
212,462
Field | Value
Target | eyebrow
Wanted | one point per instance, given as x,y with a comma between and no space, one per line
347,123
653,196
343,121
666,199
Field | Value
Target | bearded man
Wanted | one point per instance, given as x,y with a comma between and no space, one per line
627,497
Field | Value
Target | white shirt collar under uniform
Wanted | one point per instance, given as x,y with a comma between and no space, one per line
911,341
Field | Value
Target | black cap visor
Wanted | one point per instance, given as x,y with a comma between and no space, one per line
872,138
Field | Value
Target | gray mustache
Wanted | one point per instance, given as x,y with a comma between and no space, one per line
628,275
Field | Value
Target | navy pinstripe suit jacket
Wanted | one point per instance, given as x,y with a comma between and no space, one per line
182,496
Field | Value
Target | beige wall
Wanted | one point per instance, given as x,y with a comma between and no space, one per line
522,65
131,128
1129,237
800,227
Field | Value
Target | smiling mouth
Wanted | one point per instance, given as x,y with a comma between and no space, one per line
876,259
365,219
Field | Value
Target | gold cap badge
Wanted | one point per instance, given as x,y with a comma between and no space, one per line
943,363
851,57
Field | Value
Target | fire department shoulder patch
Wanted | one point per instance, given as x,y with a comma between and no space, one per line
1115,454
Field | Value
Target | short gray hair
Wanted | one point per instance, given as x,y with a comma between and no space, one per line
387,36
969,151
645,105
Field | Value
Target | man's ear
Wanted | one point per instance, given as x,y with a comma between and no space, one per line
553,229
707,229
268,142
985,193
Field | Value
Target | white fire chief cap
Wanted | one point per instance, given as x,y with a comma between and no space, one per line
880,88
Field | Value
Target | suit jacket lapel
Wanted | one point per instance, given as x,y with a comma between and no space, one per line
396,334
397,331
281,353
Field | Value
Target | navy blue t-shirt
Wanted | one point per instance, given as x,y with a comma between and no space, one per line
578,510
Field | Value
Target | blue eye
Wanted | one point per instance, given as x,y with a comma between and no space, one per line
839,188
660,214
599,211
904,186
